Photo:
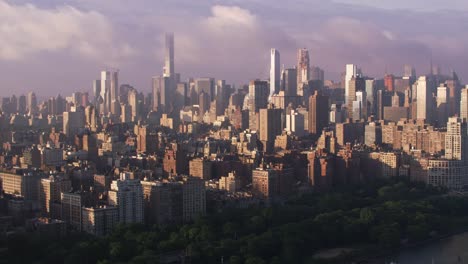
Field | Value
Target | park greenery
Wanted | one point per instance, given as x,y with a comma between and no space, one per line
370,219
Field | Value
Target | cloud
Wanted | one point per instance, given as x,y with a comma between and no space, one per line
27,30
226,39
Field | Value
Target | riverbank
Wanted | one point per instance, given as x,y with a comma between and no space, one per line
392,255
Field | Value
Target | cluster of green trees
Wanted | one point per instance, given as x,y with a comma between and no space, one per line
367,218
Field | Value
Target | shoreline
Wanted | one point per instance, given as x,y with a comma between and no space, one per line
378,258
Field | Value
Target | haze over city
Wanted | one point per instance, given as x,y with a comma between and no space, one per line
237,132
61,45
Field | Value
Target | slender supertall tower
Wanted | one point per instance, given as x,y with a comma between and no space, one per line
275,72
169,56
303,65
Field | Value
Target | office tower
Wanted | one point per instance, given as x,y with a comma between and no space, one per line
442,105
424,98
207,85
337,114
127,195
389,82
74,121
355,84
295,123
464,104
162,96
168,70
351,71
32,103
182,95
289,82
371,96
258,95
50,190
109,91
359,106
409,71
275,72
204,102
270,126
134,104
125,113
91,118
456,139
303,68
454,90
22,106
373,134
317,74
96,90
318,113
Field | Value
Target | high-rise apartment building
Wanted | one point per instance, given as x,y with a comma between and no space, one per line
99,221
456,139
50,191
127,195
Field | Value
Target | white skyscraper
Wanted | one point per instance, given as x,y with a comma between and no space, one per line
351,71
109,91
275,72
169,56
423,99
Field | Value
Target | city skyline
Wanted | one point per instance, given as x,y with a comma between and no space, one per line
134,42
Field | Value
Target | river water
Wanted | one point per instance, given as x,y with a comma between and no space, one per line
452,250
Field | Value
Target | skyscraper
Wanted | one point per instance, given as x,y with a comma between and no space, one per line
169,56
275,72
442,105
303,65
355,84
318,113
464,104
109,91
161,94
270,126
424,99
258,95
351,71
289,82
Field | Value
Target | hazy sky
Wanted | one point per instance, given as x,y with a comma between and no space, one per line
53,46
